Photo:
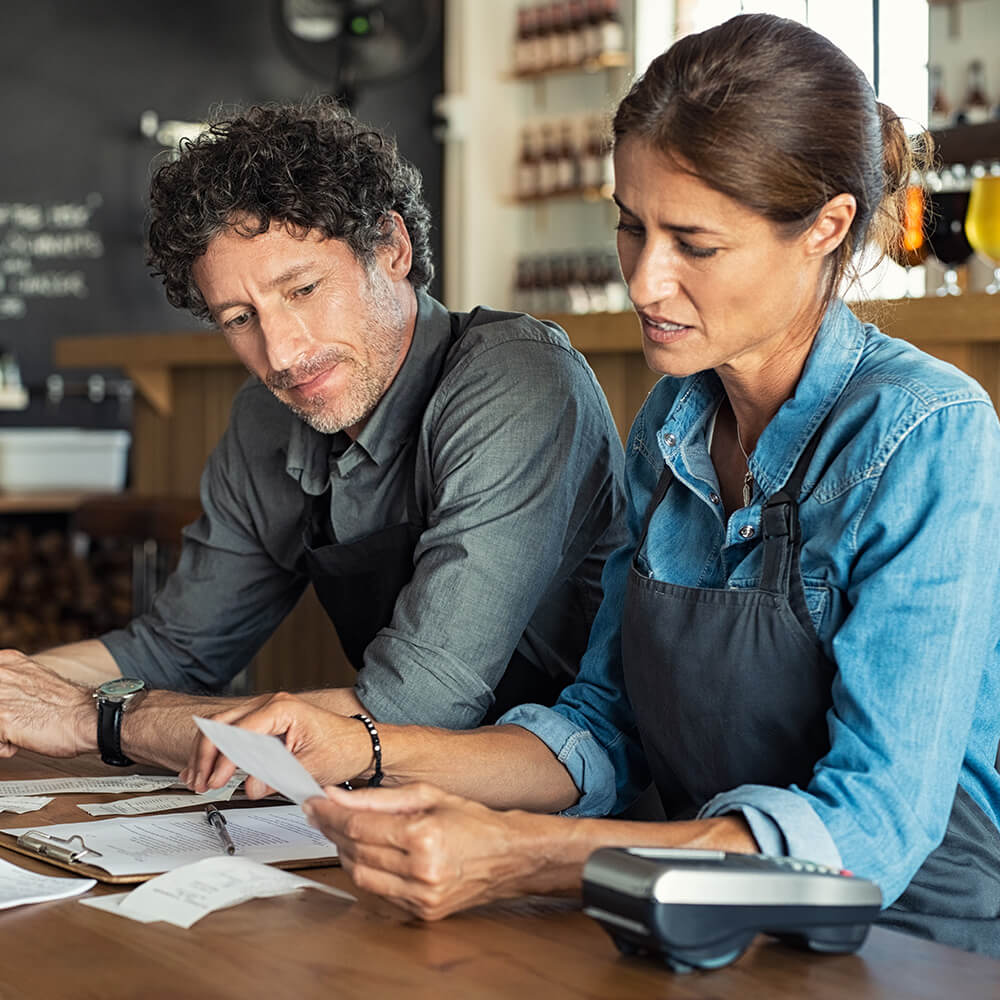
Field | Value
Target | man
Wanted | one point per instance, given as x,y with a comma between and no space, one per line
449,483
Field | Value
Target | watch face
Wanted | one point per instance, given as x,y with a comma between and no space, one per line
120,687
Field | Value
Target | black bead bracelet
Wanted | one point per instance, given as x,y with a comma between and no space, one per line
376,779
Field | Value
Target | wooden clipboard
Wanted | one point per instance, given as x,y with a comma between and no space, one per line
69,854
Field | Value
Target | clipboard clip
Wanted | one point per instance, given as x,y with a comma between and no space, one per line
70,849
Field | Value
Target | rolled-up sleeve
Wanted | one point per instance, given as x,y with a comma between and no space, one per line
228,593
524,474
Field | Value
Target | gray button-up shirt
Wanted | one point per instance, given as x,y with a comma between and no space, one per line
503,440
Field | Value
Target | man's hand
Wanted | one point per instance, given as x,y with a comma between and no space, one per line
41,711
426,850
331,747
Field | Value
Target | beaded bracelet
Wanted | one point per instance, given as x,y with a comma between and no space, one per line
376,779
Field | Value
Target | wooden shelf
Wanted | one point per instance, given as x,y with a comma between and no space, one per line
607,60
44,502
147,358
967,143
587,194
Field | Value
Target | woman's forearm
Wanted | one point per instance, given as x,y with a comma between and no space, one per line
505,767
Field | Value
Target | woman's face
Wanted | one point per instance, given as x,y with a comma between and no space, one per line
715,284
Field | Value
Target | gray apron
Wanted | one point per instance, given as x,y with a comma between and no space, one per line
732,687
358,583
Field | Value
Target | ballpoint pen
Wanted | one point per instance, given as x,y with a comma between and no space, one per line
218,822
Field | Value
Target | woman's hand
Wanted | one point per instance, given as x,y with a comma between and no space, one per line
426,850
331,747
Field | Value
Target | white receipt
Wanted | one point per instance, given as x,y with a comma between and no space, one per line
148,845
23,803
263,756
187,894
161,803
19,886
115,783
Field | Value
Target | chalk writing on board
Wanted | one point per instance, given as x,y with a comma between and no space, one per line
42,249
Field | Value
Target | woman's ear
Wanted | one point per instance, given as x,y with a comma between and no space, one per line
831,225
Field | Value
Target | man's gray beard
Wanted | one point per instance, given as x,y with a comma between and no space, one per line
369,381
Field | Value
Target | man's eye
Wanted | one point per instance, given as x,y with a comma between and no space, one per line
306,289
237,321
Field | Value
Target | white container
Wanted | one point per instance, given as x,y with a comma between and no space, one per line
41,458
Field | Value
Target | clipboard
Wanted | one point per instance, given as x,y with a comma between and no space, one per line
72,854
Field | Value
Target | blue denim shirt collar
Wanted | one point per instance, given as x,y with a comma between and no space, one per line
836,351
395,419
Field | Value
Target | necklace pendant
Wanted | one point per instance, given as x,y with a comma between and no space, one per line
747,488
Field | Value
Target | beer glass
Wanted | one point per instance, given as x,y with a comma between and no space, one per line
982,224
949,204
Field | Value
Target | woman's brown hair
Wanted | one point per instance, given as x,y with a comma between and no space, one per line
775,116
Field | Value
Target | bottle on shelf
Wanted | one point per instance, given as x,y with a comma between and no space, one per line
529,165
548,167
543,41
612,28
976,105
526,40
568,162
576,40
940,110
558,35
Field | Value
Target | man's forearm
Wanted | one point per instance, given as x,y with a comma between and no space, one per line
87,662
161,729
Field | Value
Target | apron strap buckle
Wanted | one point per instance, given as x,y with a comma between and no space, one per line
778,518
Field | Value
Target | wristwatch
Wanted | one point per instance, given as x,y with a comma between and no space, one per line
114,698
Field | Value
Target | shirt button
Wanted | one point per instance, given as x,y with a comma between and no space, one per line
715,498
747,531
670,439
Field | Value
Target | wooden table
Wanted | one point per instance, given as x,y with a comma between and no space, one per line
312,945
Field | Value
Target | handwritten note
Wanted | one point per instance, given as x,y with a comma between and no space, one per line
183,896
263,756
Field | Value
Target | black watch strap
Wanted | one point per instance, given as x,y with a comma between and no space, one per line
109,732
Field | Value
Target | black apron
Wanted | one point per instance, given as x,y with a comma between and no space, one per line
358,583
732,687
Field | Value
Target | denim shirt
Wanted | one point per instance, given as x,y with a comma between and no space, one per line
900,566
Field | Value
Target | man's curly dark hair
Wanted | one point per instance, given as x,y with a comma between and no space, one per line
312,166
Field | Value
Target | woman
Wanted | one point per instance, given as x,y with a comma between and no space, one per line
794,645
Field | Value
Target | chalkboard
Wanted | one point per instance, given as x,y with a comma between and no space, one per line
75,79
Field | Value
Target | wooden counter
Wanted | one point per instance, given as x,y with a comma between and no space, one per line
308,945
185,383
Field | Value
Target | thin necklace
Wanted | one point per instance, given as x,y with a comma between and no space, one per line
748,476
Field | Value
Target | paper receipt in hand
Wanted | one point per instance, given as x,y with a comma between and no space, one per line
263,756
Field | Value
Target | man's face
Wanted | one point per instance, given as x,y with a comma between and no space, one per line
324,333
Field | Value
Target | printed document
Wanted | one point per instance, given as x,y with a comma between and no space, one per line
147,845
